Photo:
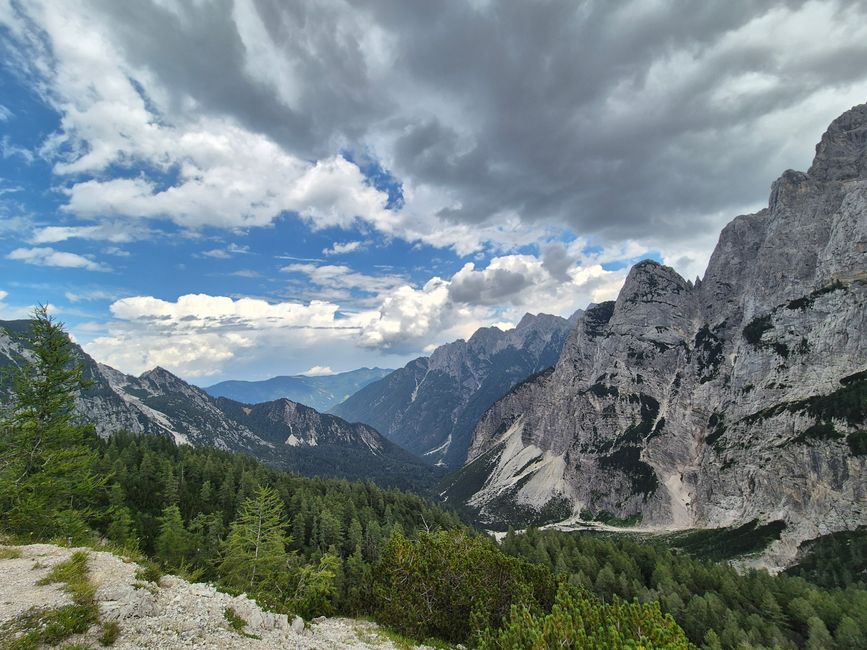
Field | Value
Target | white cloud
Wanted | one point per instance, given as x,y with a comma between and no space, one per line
113,231
338,248
119,116
227,252
341,279
10,150
12,312
90,295
318,371
46,256
202,335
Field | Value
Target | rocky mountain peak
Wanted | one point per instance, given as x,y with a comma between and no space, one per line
712,404
650,281
842,152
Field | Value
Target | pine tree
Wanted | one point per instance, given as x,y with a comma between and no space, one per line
254,556
174,543
48,480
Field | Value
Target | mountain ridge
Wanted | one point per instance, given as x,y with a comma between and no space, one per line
739,397
281,433
320,392
431,404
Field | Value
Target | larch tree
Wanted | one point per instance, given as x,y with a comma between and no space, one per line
48,479
254,555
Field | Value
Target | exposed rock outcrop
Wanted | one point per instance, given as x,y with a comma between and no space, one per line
172,614
741,397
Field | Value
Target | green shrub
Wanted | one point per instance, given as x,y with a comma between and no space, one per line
236,621
149,572
756,328
580,621
109,633
451,585
857,442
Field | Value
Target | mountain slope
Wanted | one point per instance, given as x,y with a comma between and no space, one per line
431,405
321,393
743,397
281,433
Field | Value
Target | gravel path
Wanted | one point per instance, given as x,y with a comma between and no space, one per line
172,614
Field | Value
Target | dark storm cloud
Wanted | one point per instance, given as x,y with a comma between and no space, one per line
617,119
489,288
557,261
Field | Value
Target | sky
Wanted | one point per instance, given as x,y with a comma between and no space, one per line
240,189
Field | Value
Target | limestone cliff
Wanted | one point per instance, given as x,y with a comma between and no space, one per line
741,397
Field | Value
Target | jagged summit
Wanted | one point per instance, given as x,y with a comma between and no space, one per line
842,152
711,404
431,405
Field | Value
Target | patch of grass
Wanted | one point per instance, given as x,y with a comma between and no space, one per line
149,572
9,553
37,628
237,623
610,519
40,627
818,431
400,641
109,633
756,328
73,572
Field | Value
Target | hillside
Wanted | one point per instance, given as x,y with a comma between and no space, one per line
281,433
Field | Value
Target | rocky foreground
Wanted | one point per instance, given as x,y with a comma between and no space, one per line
170,614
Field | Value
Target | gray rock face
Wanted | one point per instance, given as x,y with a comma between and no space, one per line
742,397
431,405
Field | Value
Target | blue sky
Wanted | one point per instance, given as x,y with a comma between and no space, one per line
230,191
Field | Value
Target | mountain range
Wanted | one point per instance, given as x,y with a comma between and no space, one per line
431,405
282,433
741,397
321,392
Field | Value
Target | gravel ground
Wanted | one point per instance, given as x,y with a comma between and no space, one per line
172,614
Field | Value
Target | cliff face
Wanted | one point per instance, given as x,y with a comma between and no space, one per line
743,397
431,405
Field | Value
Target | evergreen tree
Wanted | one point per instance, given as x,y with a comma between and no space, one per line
174,543
254,557
317,587
48,482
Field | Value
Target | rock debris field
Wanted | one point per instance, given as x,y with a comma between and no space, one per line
171,614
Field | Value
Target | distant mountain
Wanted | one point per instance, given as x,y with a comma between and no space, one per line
322,392
281,432
740,398
431,405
